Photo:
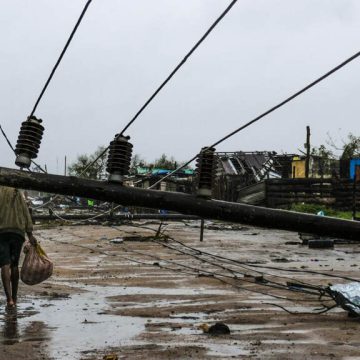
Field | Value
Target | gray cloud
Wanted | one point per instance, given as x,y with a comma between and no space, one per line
259,54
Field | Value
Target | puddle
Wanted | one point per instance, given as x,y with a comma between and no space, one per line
249,328
302,342
75,324
109,291
226,350
78,323
14,328
297,331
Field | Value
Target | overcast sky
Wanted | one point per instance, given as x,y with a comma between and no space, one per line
260,53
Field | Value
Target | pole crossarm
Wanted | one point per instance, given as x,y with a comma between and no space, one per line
182,203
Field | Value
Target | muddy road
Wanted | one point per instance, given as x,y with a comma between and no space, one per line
116,292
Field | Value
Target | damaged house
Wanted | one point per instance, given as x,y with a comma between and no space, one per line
240,175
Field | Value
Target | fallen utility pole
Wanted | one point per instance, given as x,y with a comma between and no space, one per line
117,217
182,203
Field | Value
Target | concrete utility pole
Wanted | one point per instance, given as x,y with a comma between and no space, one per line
182,203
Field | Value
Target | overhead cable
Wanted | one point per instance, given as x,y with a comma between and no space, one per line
182,62
267,112
60,57
7,139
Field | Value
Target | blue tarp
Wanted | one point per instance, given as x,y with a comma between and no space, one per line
160,171
353,164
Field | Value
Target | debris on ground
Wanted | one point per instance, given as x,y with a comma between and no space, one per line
111,357
348,297
217,329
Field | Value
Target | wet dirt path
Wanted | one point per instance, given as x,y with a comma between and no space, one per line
101,302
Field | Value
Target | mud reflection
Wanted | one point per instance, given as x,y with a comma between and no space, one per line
14,327
10,331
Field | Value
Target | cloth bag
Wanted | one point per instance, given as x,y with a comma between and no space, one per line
37,267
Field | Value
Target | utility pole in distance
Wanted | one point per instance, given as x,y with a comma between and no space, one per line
307,145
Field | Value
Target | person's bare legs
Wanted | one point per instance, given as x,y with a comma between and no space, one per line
14,282
6,280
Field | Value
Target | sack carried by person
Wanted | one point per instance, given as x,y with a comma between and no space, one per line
37,267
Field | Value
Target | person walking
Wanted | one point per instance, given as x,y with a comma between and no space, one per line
15,222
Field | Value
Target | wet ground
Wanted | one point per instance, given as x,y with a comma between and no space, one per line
116,292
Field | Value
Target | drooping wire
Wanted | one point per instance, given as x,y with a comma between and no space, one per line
195,271
60,57
246,263
267,282
157,91
7,139
249,264
267,112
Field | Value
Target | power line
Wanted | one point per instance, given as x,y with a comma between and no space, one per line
267,112
249,264
60,57
194,271
320,292
157,91
182,62
52,75
244,264
7,139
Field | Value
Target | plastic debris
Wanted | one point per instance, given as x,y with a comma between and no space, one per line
347,296
117,241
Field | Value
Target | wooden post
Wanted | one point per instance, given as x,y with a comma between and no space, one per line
202,225
307,160
356,180
182,203
65,166
112,211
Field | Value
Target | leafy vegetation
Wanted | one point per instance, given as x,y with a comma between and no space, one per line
96,171
350,148
315,208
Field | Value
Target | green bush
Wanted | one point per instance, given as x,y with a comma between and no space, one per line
315,208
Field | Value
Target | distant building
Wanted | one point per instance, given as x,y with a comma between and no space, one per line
238,170
319,167
182,181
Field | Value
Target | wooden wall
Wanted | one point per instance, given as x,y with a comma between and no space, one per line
338,193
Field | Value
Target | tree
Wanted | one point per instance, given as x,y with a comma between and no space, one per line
96,171
323,152
137,161
351,148
166,163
